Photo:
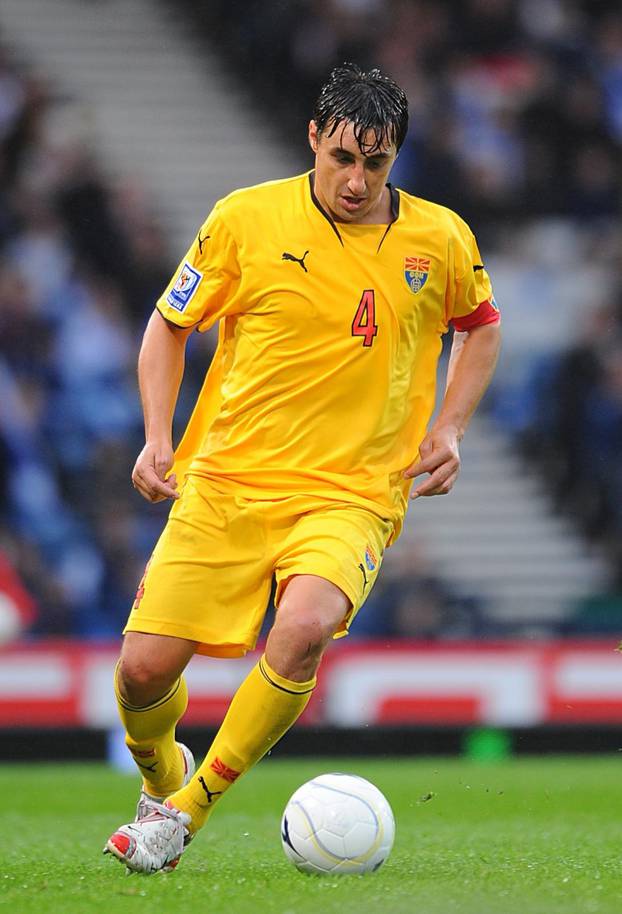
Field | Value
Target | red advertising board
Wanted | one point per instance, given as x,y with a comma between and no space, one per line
514,684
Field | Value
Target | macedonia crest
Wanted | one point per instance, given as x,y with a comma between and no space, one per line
416,270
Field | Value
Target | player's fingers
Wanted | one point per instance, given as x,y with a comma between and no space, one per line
413,470
426,491
423,465
445,487
163,489
143,490
430,463
151,486
435,461
439,483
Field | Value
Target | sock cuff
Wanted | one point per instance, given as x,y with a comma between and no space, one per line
154,704
280,682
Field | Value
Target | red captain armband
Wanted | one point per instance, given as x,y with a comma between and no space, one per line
486,312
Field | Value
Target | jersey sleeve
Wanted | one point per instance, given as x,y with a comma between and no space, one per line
472,303
203,289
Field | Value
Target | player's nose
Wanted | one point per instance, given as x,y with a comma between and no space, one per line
356,181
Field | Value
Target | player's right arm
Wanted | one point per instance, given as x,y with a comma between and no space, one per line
200,293
160,370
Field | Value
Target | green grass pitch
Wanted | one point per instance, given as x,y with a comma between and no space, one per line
535,836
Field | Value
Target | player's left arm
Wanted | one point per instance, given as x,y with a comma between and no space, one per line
474,354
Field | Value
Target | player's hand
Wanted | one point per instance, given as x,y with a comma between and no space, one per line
149,473
440,457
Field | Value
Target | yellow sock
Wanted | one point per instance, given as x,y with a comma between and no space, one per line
262,710
150,737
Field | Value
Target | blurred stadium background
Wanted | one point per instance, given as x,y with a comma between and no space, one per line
121,123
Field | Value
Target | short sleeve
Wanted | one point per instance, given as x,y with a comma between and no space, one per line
203,289
472,303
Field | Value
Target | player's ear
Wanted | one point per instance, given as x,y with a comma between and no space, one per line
313,136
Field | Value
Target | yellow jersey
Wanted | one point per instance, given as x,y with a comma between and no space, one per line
323,381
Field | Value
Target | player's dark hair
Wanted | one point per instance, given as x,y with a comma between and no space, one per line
369,101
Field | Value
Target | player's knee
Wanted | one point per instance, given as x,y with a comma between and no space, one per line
307,633
138,682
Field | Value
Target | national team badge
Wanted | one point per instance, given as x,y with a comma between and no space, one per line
370,559
416,271
186,284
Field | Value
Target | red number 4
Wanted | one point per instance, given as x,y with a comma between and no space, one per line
364,323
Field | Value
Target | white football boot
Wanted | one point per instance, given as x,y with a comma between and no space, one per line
154,843
147,803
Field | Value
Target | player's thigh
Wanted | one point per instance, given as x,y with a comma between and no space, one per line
208,580
342,544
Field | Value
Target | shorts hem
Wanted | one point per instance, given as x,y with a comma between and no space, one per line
204,646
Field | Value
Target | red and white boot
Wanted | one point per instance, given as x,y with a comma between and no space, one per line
154,843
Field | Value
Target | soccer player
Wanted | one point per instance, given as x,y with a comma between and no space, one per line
332,291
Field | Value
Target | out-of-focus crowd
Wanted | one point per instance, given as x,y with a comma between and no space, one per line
80,269
516,118
516,105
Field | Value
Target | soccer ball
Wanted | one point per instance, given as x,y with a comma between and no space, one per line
337,823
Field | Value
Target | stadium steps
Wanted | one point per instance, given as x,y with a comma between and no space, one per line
495,538
150,98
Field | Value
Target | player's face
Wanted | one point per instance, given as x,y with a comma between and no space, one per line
348,183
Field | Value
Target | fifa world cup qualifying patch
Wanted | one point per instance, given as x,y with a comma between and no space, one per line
185,286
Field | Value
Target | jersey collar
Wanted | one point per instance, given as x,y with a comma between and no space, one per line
395,209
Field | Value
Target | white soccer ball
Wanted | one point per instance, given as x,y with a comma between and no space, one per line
337,823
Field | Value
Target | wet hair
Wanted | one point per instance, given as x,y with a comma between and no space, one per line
369,101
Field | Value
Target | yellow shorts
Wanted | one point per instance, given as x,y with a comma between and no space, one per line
210,575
